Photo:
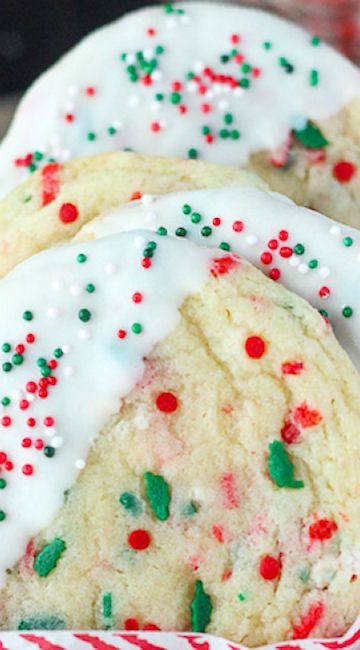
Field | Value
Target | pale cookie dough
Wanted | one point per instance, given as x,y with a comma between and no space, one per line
196,80
222,492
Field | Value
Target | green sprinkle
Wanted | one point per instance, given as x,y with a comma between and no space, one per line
224,246
49,556
6,347
186,208
136,328
244,83
235,134
45,371
38,155
2,515
2,483
245,68
91,136
5,401
313,264
159,97
32,168
224,133
224,58
28,315
111,130
190,75
81,258
131,503
159,49
41,362
347,312
90,288
180,232
314,78
206,231
267,45
241,597
315,40
44,622
84,315
7,366
168,8
49,452
195,217
299,249
190,509
158,494
324,313
280,466
205,130
27,198
107,605
175,98
162,231
201,608
193,153
348,241
311,136
151,245
58,353
228,118
17,359
148,252
304,574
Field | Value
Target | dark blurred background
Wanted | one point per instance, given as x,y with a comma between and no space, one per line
34,33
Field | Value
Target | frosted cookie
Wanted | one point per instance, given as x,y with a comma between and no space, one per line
260,92
213,498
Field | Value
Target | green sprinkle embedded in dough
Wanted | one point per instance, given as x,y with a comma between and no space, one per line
5,401
190,509
7,366
27,198
42,622
107,605
311,136
241,597
27,315
180,232
201,608
158,493
81,258
131,503
84,315
304,574
90,288
280,466
49,556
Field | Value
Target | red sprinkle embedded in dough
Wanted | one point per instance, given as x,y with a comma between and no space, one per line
343,171
292,368
269,567
139,539
218,533
308,621
131,624
50,183
223,265
229,491
254,347
151,627
322,529
290,433
167,402
68,213
306,417
226,575
135,196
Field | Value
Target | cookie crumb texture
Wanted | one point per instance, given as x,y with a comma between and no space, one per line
224,495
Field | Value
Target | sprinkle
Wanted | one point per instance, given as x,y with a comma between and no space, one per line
131,503
201,608
136,328
2,515
158,494
281,468
306,417
290,432
81,258
347,312
343,171
28,315
68,213
254,347
292,368
139,539
167,402
48,557
308,621
107,605
84,315
322,529
269,568
27,470
131,624
348,241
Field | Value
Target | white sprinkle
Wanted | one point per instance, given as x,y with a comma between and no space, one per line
223,105
141,422
150,217
198,66
303,268
110,268
84,335
50,432
146,199
335,230
30,397
66,155
155,107
294,261
57,442
130,58
68,371
191,86
69,107
238,92
118,125
324,272
171,23
134,101
185,18
157,75
148,53
251,240
16,394
139,241
163,124
72,91
209,94
52,312
80,464
66,348
75,290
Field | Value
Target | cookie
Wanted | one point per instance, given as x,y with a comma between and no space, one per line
170,440
261,92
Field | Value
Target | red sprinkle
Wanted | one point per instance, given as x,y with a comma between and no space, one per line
155,127
38,444
30,338
283,235
136,196
50,182
274,274
6,421
229,490
290,432
306,417
324,292
218,533
343,171
254,347
146,262
216,221
238,226
273,244
292,368
308,621
136,297
90,91
151,627
31,387
20,349
68,213
266,257
223,265
26,442
131,624
48,421
322,529
286,251
139,539
235,38
27,470
3,457
167,402
24,404
31,422
9,466
269,567
121,334
151,31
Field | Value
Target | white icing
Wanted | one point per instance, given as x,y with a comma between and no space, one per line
96,371
263,216
264,113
